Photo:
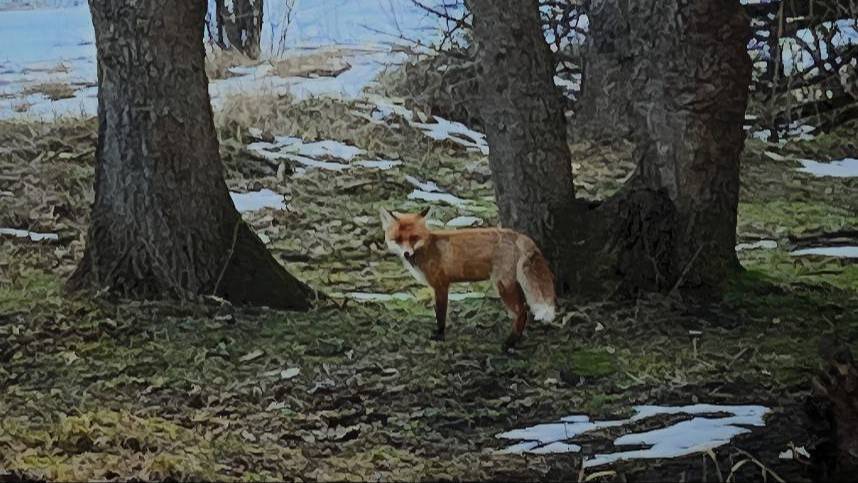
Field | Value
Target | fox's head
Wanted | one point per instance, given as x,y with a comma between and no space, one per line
405,233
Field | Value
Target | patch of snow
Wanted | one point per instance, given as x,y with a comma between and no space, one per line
757,245
326,148
464,221
440,130
382,164
837,252
762,135
456,132
697,434
429,186
297,150
549,433
842,168
686,437
429,191
259,70
29,234
432,197
379,297
257,200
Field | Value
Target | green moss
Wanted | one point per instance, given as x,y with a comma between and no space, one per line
778,219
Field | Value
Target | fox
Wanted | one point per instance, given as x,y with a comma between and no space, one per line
511,260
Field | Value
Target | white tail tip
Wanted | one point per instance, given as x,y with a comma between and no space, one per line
543,312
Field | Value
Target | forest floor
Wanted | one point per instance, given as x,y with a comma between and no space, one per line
94,389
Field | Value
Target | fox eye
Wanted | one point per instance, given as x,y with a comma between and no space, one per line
414,239
398,239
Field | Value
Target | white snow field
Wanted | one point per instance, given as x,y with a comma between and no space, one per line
54,43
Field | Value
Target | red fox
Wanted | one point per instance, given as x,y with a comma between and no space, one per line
438,258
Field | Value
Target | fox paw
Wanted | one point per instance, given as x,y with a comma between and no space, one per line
510,342
437,335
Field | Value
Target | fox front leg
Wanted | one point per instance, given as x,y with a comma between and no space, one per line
440,312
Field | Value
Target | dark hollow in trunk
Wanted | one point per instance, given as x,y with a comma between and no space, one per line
237,25
163,224
522,112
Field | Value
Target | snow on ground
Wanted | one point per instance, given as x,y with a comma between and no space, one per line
429,191
257,200
47,46
842,168
13,232
700,433
42,45
382,110
56,45
835,252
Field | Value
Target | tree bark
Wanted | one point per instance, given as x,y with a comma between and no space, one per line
602,111
692,73
672,75
522,112
163,224
237,24
833,406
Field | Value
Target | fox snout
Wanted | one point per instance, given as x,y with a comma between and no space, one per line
402,250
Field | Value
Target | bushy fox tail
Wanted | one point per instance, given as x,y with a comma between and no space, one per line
537,283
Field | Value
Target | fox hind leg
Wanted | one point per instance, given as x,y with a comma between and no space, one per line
513,298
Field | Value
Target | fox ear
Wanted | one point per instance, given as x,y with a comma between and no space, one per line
387,217
425,211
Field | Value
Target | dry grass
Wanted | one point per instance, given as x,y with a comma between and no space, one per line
322,63
52,90
218,63
315,63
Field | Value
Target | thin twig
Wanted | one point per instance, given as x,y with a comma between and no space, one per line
229,257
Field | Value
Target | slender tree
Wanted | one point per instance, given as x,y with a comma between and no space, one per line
672,75
163,224
525,126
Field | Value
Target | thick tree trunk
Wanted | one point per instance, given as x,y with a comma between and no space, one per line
522,111
237,24
163,224
674,77
693,73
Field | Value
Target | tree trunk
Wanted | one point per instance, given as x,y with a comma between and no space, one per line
674,76
163,224
237,24
602,113
522,111
691,70
834,408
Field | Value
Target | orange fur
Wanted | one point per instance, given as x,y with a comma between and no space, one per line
440,258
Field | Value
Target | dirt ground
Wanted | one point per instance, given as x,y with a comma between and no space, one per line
95,389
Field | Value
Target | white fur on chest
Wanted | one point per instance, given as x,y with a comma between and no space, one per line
415,272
